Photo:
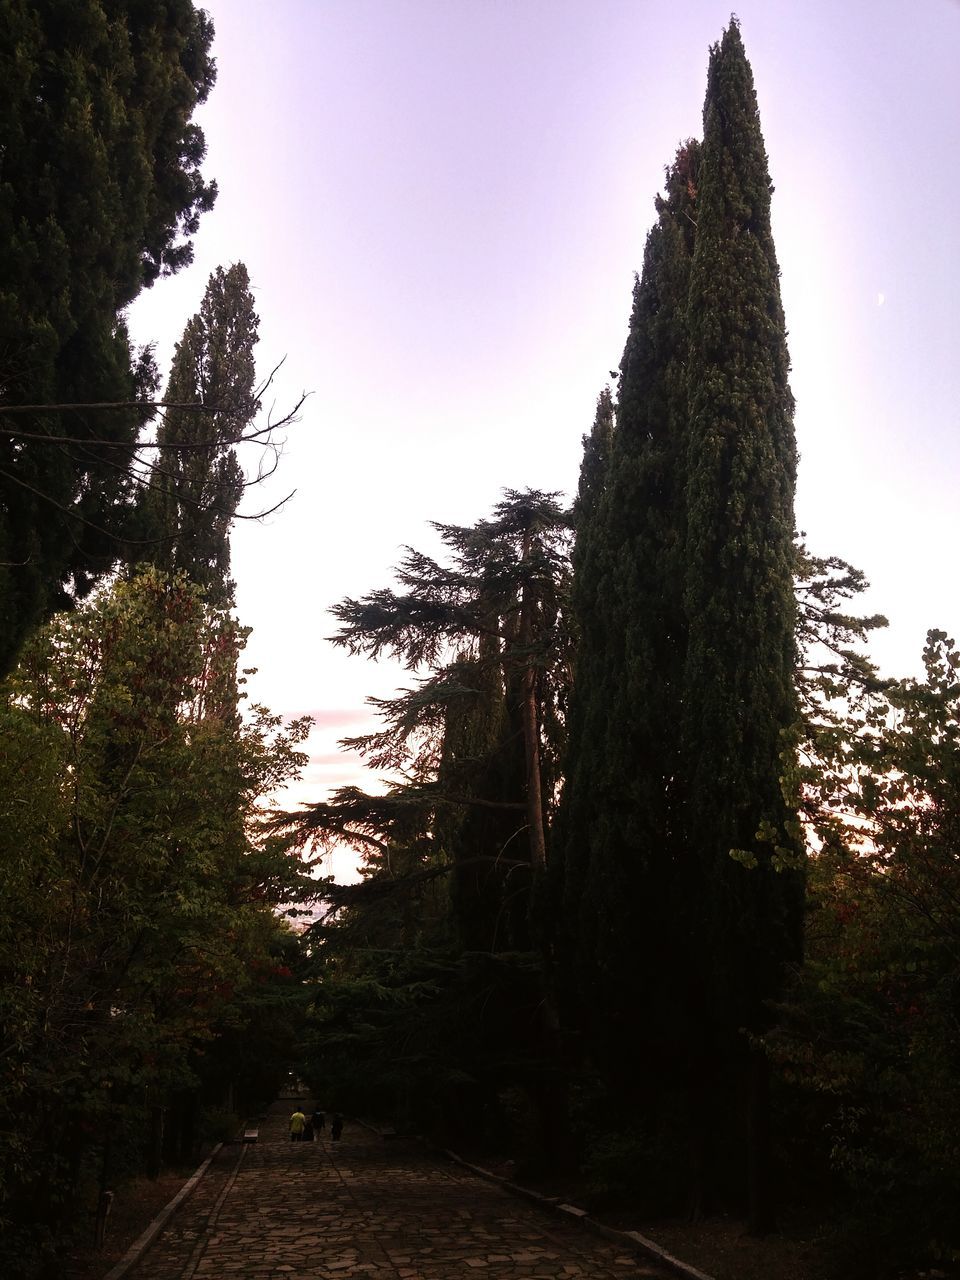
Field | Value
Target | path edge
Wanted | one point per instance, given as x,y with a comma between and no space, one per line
631,1239
146,1238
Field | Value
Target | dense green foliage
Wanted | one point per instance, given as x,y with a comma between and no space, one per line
135,897
197,483
870,1040
100,183
628,612
681,899
738,699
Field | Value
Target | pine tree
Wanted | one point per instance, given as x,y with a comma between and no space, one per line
196,488
478,741
481,762
499,607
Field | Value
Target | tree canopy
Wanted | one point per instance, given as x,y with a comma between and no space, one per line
100,191
197,484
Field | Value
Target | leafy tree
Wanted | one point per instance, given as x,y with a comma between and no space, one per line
133,916
870,1039
100,188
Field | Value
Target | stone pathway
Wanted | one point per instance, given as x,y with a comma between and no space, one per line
281,1210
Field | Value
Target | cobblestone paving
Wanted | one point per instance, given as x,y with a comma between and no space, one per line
281,1210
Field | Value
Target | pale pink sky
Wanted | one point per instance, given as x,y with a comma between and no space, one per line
442,204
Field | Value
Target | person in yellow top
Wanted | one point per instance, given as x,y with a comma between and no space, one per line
297,1121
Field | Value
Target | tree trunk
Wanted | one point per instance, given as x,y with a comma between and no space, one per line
155,1142
760,1196
531,727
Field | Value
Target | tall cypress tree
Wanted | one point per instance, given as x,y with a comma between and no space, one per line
738,555
628,608
681,880
198,483
597,447
100,181
738,695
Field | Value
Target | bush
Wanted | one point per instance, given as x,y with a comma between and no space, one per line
219,1126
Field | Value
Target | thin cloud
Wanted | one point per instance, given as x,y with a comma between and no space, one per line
334,758
332,717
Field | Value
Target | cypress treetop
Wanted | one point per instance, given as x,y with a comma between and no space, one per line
197,488
738,699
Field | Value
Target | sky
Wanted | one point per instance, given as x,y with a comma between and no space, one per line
442,205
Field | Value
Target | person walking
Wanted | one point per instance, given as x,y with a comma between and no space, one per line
336,1126
297,1121
319,1120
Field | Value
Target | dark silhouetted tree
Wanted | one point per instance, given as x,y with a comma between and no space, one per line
197,484
100,186
618,874
682,869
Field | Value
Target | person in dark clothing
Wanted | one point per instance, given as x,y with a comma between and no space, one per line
319,1120
336,1126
